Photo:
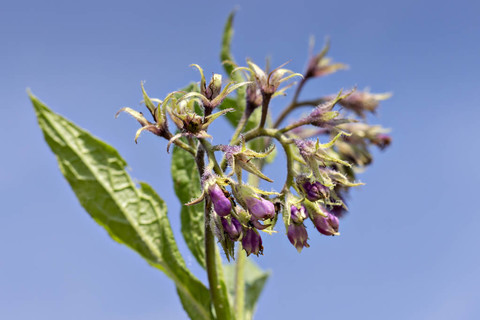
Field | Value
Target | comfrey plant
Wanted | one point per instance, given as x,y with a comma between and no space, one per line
324,149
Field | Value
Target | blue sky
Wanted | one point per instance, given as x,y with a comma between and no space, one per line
409,247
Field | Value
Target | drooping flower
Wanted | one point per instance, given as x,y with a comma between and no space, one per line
260,208
382,140
298,236
248,197
315,191
252,242
298,215
233,228
221,203
326,225
254,98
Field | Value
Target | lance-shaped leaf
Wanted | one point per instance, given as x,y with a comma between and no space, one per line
136,217
186,183
255,279
226,57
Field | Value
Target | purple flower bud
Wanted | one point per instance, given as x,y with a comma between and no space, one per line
252,242
260,208
254,98
221,204
298,236
315,191
233,228
327,226
214,87
382,140
298,215
338,211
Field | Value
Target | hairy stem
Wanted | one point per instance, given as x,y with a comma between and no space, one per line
240,126
218,292
292,104
265,103
211,156
184,146
239,303
284,141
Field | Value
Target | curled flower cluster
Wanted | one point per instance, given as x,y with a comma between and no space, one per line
318,175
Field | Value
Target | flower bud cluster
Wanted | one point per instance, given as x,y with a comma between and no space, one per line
234,223
320,174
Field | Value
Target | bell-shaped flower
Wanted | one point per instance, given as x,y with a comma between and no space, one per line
260,208
312,190
326,225
248,197
221,204
232,228
252,242
298,214
298,236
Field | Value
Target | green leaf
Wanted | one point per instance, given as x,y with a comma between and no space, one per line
186,183
226,56
255,279
232,117
136,217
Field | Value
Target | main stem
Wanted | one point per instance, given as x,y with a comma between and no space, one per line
239,303
219,300
218,292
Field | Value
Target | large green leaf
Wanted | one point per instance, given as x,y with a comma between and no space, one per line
186,183
136,217
255,279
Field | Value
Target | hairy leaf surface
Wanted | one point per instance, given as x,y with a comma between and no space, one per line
186,183
136,217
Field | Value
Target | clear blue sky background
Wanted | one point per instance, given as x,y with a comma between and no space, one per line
409,249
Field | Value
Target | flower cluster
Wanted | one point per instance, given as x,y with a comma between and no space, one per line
318,175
